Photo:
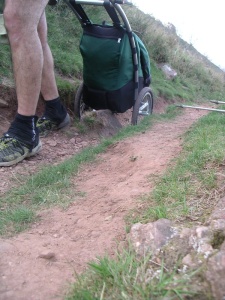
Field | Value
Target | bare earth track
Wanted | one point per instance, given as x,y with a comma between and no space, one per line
94,223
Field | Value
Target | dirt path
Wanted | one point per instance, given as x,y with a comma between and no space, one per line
94,223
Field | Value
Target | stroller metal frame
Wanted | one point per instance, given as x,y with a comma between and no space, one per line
204,108
140,106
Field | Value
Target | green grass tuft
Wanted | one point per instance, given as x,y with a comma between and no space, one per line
129,277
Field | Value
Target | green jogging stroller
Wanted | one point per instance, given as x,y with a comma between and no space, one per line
116,64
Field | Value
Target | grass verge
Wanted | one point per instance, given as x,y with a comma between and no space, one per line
192,185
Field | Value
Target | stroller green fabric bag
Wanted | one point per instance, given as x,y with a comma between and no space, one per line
108,67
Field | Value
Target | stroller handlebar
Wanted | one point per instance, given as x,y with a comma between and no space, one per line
101,2
120,1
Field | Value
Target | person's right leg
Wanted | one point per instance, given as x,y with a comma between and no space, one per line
55,115
21,20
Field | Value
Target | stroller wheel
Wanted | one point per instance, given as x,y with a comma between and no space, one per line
79,106
143,105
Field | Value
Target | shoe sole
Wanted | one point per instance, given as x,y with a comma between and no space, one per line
66,122
22,157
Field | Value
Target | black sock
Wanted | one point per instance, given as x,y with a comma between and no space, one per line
55,110
24,129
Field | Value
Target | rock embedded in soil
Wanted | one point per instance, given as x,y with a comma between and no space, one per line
47,255
196,247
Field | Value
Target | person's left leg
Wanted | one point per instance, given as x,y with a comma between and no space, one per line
48,84
55,115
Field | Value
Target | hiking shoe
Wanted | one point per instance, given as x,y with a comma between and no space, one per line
45,125
13,151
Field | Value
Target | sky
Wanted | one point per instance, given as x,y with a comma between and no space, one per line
200,23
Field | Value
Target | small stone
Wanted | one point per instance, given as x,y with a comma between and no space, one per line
52,143
73,140
188,261
47,255
202,231
41,232
3,103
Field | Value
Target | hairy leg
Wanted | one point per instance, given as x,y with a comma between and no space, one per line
49,89
21,19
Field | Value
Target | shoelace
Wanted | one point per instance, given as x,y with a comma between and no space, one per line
45,124
6,142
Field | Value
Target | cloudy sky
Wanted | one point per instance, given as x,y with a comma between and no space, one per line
201,23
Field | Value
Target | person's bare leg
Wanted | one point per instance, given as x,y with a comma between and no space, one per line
55,115
22,138
21,20
49,89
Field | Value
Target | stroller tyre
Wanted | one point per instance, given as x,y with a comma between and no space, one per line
143,105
